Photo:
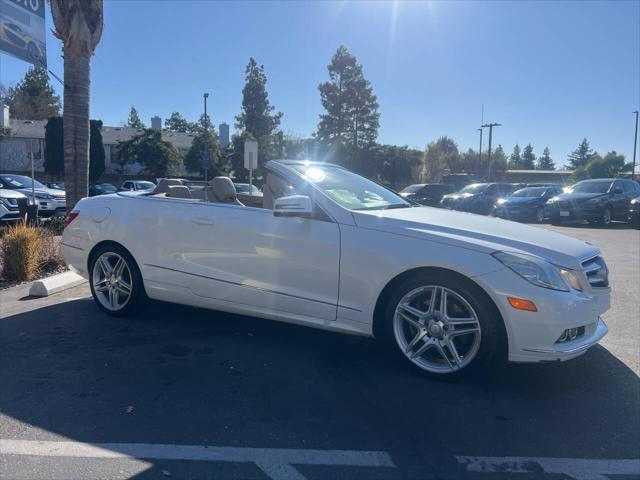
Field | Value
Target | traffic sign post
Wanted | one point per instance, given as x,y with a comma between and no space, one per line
250,160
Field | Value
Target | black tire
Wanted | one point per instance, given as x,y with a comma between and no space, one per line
539,216
137,296
493,339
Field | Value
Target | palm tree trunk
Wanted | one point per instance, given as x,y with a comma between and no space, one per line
76,126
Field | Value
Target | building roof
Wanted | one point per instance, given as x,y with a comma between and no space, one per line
110,135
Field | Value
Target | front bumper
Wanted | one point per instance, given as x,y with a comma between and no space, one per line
533,336
515,213
569,211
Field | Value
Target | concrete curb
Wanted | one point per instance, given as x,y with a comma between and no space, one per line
56,283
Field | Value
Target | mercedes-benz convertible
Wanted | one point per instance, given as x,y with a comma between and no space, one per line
448,291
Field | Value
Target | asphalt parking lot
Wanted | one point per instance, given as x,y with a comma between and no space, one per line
184,393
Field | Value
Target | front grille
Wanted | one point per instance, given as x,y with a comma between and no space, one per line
597,272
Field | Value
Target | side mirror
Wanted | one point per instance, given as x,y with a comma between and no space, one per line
293,206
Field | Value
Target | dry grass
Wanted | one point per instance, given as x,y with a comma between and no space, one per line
27,252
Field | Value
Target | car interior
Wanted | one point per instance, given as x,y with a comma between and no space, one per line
219,190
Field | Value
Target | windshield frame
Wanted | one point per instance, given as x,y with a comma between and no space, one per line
592,182
293,167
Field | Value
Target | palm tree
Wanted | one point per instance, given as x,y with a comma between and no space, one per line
78,23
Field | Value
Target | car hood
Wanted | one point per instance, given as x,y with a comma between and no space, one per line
577,197
6,193
459,196
477,232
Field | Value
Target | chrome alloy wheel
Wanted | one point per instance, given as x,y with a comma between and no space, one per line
437,329
111,280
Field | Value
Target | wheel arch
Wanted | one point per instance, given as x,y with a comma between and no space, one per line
105,243
387,291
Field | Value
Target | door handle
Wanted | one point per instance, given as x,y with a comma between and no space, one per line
203,221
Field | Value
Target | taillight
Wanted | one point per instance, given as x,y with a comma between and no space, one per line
71,216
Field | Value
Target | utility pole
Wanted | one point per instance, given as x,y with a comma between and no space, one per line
480,149
490,127
635,144
206,138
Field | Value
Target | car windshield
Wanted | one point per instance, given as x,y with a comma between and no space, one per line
349,189
533,192
591,187
20,181
145,185
411,189
475,188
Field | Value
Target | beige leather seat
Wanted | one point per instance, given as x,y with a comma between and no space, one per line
165,183
274,187
222,190
179,191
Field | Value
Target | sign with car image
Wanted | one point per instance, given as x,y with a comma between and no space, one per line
22,30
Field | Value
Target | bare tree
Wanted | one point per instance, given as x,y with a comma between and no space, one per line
78,23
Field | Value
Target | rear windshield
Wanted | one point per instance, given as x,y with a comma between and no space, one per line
411,189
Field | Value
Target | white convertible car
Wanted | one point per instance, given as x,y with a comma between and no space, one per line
333,250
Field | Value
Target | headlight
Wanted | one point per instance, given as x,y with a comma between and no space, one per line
501,201
552,200
534,270
571,278
44,196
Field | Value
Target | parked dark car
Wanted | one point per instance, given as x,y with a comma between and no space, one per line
526,204
101,189
597,201
427,193
478,197
137,185
634,212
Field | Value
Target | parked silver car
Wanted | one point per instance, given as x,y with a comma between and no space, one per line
50,201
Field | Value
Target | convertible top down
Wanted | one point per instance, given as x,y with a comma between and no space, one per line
330,249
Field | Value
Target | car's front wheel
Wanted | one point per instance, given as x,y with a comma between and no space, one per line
115,281
540,214
442,325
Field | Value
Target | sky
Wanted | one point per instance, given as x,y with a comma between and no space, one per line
552,73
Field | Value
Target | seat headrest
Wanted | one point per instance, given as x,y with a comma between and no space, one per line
222,189
179,191
165,183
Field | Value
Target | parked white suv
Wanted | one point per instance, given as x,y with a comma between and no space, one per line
50,200
9,209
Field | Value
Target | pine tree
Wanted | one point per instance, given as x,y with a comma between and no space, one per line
134,119
203,153
176,123
528,158
33,98
545,162
257,116
351,120
515,160
581,155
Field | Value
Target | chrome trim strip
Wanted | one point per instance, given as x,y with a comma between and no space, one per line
266,290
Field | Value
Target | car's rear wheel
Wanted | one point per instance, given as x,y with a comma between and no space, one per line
540,214
441,325
606,217
115,281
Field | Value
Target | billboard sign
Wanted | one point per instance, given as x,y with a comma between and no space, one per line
22,30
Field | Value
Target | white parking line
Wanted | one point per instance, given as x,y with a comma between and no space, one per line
277,463
577,468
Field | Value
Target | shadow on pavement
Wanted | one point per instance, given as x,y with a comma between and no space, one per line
178,375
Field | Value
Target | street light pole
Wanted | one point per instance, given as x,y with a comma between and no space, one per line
490,126
206,138
635,144
480,149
